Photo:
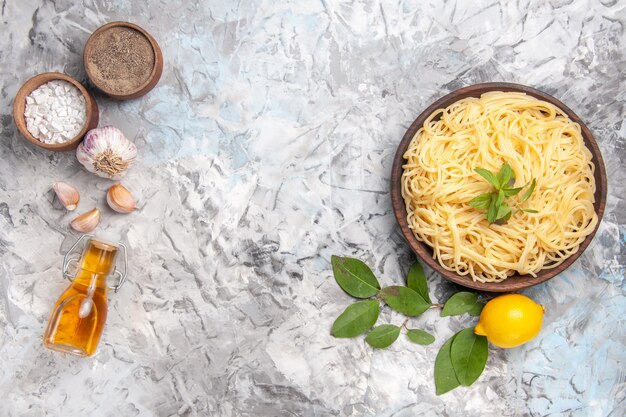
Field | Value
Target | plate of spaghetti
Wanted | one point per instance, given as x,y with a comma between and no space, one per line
444,186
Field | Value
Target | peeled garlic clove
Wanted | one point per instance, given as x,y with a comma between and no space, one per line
106,152
67,195
120,199
86,222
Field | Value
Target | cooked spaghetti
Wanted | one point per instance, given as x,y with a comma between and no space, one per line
539,141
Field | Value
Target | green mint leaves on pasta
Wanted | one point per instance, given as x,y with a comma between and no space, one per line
497,210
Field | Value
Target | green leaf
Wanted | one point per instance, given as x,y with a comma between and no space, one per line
493,209
510,192
420,336
504,211
354,277
468,354
504,175
476,309
489,176
404,300
417,281
481,202
528,192
530,211
499,198
445,377
383,336
356,319
496,203
459,303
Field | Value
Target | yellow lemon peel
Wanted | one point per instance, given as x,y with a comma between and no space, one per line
510,320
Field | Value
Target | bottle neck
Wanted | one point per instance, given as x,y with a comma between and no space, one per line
90,280
97,262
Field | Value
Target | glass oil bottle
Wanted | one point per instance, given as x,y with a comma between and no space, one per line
79,315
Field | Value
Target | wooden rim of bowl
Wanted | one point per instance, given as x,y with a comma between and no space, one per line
19,105
424,252
155,74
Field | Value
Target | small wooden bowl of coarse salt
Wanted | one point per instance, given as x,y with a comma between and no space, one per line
54,111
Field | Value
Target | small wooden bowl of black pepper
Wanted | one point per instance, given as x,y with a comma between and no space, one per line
123,60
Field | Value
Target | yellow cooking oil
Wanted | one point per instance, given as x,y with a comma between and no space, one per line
79,315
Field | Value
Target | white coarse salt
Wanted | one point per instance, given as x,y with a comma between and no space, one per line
55,112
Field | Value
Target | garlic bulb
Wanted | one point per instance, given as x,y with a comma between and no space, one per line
120,199
67,195
86,222
106,152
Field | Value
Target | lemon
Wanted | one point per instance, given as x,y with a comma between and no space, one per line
510,320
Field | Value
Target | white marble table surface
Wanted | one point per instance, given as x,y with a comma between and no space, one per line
265,149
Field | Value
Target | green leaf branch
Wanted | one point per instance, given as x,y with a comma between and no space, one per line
461,303
497,210
460,360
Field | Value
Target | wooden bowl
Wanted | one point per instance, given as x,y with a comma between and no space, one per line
19,106
152,79
515,282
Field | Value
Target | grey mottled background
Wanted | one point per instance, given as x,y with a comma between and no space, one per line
266,148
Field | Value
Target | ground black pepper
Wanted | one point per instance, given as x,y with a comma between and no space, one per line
120,60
